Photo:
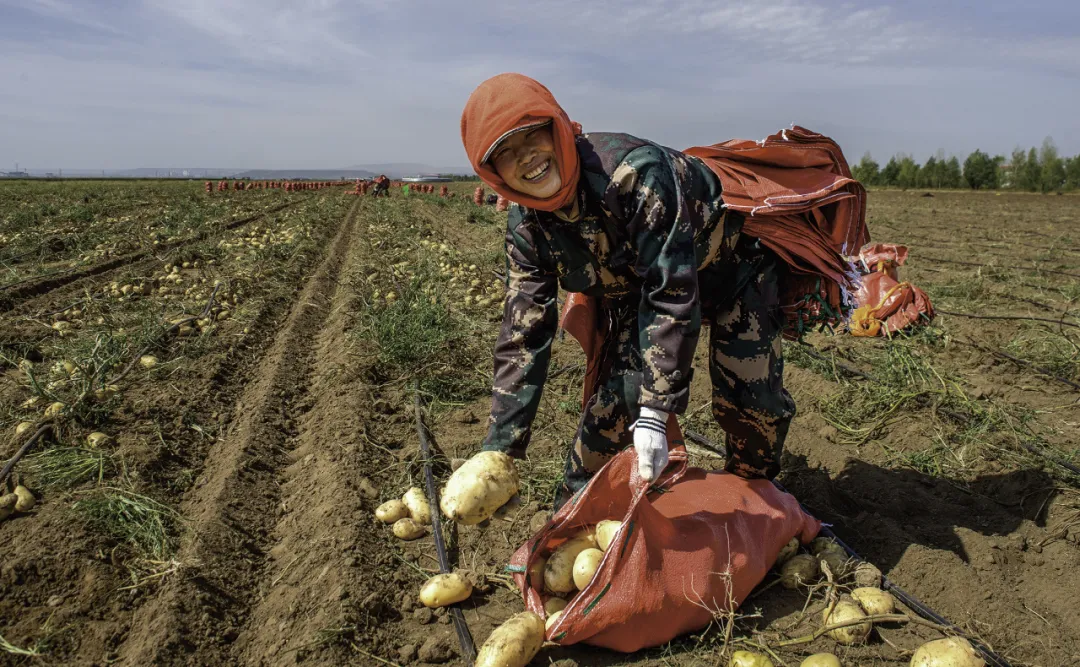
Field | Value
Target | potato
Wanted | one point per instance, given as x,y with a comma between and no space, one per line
97,439
536,574
7,504
23,427
948,652
867,575
554,604
821,660
480,486
148,361
585,566
514,643
800,570
749,659
407,529
54,409
822,544
836,560
391,511
419,509
445,589
788,550
847,610
605,532
26,500
559,571
552,619
874,601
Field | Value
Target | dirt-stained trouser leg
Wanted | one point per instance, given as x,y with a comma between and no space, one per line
746,366
604,429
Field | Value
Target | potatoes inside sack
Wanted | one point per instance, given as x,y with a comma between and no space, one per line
536,574
559,571
821,660
407,529
514,643
800,570
847,610
585,566
419,509
554,604
480,486
948,652
445,589
605,532
391,511
749,659
874,601
552,619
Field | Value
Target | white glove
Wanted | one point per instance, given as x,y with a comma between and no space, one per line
650,443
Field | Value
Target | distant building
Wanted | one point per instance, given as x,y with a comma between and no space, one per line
425,179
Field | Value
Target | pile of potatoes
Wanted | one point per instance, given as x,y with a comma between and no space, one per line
571,566
948,652
410,515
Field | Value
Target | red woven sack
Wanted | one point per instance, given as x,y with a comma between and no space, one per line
692,544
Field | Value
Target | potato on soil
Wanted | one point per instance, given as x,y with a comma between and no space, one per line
837,561
559,571
847,610
605,532
97,439
445,589
800,570
7,505
391,511
419,509
23,427
749,659
874,601
554,604
480,486
585,566
148,361
407,529
54,409
948,652
514,643
26,500
822,544
821,660
867,575
787,551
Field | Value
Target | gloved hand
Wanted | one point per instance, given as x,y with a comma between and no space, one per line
650,442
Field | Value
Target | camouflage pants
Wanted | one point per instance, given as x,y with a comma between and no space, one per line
746,368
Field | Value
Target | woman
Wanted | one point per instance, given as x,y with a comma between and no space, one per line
645,230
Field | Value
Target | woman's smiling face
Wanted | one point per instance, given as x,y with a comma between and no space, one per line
526,162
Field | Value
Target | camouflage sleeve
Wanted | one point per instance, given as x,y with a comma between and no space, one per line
523,349
655,196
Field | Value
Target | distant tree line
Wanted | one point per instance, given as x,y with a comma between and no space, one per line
1042,170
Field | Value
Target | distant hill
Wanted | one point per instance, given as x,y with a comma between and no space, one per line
308,174
393,170
400,169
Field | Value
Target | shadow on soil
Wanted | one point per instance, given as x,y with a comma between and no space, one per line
881,512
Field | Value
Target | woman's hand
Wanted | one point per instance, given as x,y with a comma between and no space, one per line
650,443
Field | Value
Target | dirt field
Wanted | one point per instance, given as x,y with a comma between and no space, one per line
228,517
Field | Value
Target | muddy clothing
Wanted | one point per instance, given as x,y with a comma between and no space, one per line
655,244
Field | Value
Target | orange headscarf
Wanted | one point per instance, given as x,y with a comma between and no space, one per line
505,103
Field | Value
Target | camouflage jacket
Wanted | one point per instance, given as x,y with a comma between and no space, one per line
651,218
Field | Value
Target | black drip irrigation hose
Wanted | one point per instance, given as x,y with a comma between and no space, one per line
886,585
468,649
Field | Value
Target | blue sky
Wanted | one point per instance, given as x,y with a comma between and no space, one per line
332,83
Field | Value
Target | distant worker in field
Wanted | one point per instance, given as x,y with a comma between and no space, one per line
662,240
381,187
